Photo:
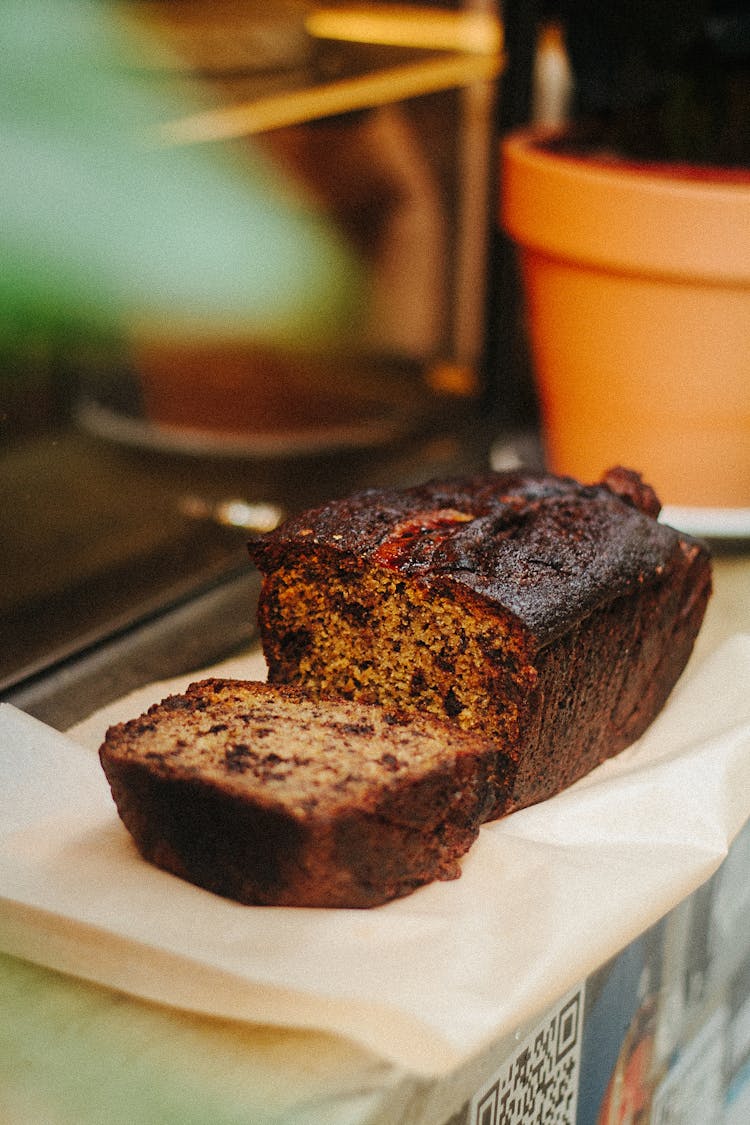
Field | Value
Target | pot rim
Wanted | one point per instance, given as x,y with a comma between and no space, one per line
624,216
683,171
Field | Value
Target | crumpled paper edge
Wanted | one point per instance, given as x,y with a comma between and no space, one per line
650,876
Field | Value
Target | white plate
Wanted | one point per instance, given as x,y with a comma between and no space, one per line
714,523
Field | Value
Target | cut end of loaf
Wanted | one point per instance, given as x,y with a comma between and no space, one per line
369,634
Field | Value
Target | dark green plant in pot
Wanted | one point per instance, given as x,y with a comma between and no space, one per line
661,80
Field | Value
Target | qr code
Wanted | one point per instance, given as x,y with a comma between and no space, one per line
538,1083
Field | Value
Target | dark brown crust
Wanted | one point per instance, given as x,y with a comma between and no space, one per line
601,685
547,549
602,602
242,838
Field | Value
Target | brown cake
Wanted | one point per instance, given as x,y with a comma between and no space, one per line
266,796
550,616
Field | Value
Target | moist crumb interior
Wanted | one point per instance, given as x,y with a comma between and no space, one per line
370,634
306,753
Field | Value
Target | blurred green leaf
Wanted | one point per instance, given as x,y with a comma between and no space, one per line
101,229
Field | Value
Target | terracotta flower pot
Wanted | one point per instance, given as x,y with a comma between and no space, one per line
637,288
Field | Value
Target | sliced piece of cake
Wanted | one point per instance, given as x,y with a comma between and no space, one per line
264,795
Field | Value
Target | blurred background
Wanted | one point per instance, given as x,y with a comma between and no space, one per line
252,259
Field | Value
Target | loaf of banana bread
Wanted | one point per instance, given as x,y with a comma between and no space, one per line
266,796
549,616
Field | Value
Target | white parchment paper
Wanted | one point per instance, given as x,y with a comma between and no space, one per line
546,895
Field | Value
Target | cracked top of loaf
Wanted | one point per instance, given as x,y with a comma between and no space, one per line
547,549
